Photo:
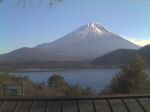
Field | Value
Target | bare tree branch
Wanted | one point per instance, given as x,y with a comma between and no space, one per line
25,3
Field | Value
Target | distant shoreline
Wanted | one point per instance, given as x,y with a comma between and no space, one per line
45,66
49,69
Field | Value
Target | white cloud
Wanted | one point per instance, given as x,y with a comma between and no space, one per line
140,42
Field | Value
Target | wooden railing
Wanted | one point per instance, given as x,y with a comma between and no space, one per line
4,105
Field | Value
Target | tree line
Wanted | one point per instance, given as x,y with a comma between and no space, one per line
56,86
132,79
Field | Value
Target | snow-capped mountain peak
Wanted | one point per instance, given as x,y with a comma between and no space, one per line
86,43
93,27
91,30
83,44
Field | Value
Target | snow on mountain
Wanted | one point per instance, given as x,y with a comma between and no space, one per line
85,43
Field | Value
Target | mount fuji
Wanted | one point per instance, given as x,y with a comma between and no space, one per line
83,44
86,43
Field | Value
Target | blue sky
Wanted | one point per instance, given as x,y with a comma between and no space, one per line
27,27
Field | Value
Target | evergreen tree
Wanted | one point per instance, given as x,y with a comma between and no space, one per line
56,81
88,91
58,84
75,90
132,79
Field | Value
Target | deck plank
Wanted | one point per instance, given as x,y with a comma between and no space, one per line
86,106
70,106
24,106
102,106
133,105
9,106
118,106
146,103
54,106
39,106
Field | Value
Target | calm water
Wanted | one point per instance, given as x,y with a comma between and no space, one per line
95,78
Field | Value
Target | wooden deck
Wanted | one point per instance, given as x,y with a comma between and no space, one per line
119,103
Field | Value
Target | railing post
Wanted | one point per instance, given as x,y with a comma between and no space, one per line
62,106
125,105
94,106
78,106
109,105
140,104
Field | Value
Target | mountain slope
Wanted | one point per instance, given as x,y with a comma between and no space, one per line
145,53
86,43
123,56
116,58
83,44
23,54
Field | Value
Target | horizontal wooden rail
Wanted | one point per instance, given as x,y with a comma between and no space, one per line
93,99
102,97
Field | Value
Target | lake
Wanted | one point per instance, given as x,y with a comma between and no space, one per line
97,79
